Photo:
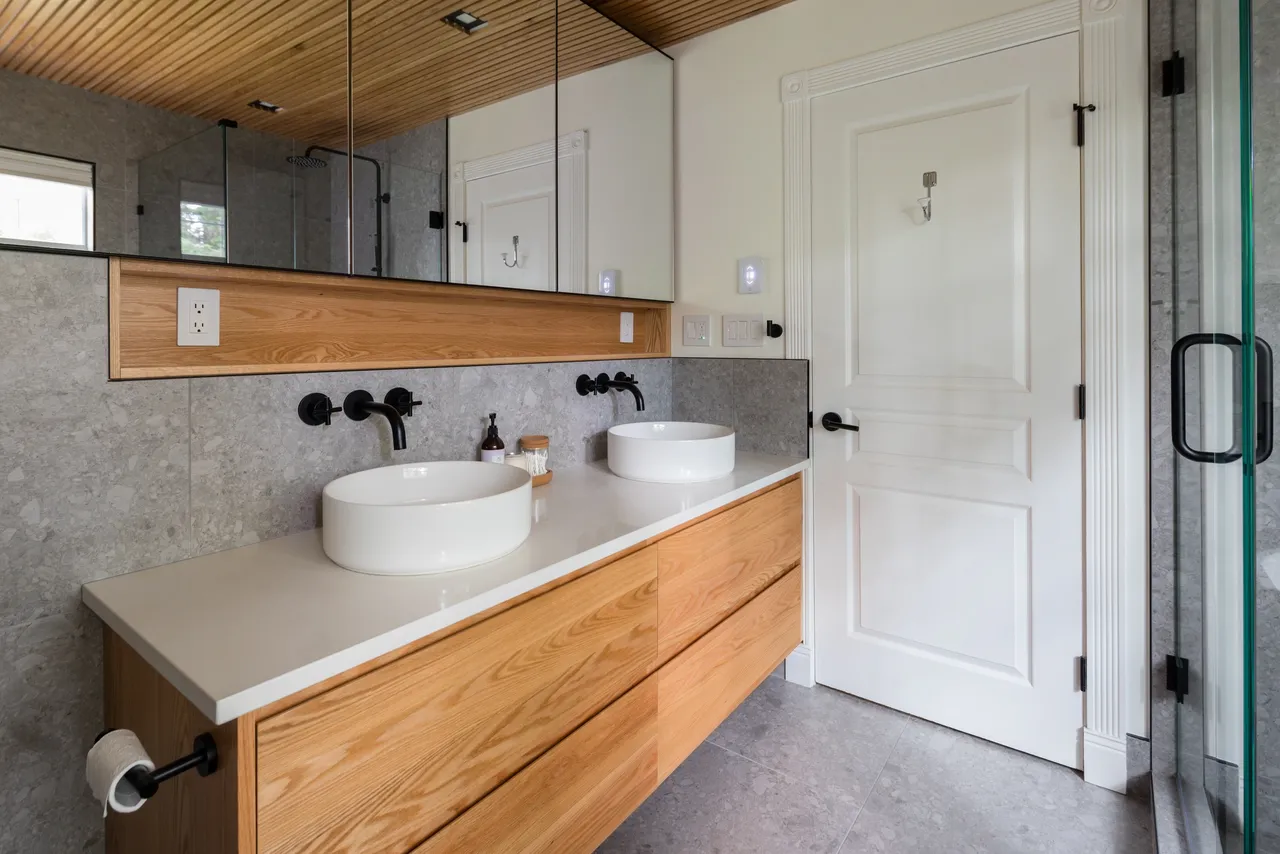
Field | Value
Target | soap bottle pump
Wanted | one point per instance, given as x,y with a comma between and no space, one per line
492,450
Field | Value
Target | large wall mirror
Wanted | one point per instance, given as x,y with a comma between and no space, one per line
508,143
174,130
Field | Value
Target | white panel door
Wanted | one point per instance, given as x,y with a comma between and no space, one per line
948,531
500,208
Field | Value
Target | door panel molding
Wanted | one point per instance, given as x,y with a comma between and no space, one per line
570,154
1114,73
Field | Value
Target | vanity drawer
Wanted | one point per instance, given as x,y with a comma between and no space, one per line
380,763
699,688
708,570
573,796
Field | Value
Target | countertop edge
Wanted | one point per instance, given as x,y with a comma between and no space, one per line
227,709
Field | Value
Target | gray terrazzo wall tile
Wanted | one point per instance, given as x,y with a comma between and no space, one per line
95,478
765,400
257,471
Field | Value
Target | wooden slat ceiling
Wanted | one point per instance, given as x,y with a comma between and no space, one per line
667,22
210,58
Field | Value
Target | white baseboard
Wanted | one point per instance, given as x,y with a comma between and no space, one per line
1106,762
799,667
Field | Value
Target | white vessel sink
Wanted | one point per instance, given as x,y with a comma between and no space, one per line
426,518
671,451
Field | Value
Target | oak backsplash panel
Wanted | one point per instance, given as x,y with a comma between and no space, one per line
281,321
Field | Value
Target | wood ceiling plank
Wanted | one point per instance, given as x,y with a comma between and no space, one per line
209,58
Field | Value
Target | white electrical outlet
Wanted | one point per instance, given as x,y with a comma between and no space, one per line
697,330
627,333
198,311
743,330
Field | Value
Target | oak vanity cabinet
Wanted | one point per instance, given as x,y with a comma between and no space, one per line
535,728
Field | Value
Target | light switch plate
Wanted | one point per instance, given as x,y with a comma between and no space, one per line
610,281
627,332
198,317
697,330
751,275
743,330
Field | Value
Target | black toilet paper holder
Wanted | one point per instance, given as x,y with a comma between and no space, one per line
203,758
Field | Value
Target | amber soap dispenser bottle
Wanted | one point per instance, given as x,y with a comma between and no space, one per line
492,450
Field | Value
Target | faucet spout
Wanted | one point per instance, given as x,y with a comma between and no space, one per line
627,383
359,405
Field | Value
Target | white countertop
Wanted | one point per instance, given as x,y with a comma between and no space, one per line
240,629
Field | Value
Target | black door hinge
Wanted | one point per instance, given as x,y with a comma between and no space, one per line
1177,676
141,210
1173,75
1080,402
810,419
1084,673
1081,109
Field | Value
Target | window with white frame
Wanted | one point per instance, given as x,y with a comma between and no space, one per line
45,200
202,216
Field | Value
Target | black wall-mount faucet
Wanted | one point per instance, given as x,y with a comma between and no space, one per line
359,405
601,384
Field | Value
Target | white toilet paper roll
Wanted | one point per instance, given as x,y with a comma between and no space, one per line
109,760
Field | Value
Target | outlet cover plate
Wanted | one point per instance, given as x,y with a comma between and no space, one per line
697,330
627,328
743,330
199,310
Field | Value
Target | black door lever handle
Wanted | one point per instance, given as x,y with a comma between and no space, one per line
832,422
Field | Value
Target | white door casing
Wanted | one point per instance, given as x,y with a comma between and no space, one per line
948,531
1114,72
543,166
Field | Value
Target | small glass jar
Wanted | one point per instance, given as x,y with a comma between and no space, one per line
535,453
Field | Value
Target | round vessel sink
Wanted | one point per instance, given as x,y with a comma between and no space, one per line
426,518
671,451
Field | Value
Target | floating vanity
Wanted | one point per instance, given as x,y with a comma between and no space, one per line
526,705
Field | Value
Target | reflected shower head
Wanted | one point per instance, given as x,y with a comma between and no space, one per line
306,162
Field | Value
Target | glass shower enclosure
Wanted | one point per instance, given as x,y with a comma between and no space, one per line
236,196
1218,74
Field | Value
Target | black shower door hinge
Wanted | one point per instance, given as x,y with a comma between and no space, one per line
1177,676
1080,402
1173,76
1084,673
810,419
1080,110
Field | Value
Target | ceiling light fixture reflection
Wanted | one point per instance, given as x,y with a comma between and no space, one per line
465,21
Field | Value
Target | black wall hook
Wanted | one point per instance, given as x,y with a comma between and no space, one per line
203,758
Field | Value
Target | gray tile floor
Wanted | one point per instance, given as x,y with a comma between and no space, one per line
799,769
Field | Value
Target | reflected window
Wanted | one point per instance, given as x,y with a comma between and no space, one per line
203,219
45,200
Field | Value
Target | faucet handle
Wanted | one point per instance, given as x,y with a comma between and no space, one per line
402,400
623,378
316,410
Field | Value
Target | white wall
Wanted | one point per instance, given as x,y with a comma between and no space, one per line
626,110
729,138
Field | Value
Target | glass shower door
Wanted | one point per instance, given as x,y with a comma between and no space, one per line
1221,428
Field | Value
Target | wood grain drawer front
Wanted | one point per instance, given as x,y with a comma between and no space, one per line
574,795
380,763
708,570
699,688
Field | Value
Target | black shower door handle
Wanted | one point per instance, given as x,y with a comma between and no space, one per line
1265,375
1265,434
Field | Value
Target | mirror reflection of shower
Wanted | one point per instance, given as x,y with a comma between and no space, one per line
308,160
